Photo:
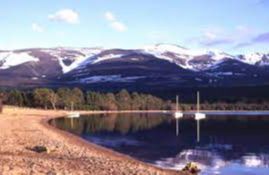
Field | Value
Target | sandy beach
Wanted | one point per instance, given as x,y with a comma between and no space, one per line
23,128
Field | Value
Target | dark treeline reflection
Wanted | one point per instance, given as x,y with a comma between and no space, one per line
226,141
121,123
132,122
243,132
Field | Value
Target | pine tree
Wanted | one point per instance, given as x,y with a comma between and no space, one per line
124,100
15,98
65,99
77,98
45,97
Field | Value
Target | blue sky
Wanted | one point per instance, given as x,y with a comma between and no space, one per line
236,26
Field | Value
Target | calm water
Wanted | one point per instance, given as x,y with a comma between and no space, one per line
229,145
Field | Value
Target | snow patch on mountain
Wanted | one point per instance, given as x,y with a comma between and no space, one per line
11,59
251,58
106,57
218,55
109,78
162,48
264,60
183,56
161,51
77,55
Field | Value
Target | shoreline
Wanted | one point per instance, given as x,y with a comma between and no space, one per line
69,154
23,128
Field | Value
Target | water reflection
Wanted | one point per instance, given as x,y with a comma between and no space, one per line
122,123
229,144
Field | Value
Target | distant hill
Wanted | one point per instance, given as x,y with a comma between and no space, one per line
159,68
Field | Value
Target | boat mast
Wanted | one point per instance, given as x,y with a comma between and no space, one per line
176,103
198,101
178,114
198,116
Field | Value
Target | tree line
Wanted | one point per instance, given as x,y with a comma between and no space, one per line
66,98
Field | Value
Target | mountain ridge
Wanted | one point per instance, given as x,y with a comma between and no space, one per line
165,65
162,51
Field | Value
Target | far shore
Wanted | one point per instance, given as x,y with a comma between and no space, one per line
208,112
23,128
213,112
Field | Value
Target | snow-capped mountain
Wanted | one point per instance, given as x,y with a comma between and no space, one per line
196,60
71,58
255,59
65,56
161,66
9,59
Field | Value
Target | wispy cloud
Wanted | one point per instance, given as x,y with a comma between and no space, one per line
214,36
211,38
119,26
263,2
114,22
158,36
65,15
110,16
242,45
260,38
37,28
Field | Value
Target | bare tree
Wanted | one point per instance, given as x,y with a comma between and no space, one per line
53,99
